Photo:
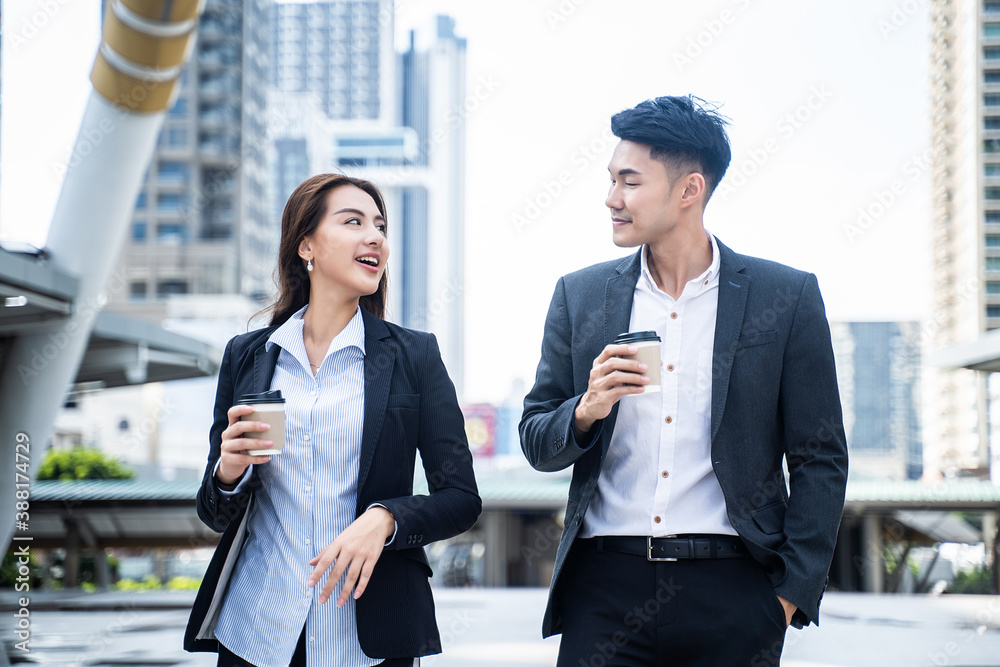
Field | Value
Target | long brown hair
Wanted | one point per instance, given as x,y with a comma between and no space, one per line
304,211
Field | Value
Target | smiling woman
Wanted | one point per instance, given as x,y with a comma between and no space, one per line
314,212
332,515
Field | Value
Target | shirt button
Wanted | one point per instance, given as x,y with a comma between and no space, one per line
673,316
306,437
670,367
664,474
656,519
311,638
308,541
308,489
669,419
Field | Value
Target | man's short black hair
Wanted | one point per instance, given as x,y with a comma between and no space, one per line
683,132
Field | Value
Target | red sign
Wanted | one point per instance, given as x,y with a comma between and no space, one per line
481,428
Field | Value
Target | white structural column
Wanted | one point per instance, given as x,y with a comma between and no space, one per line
872,576
144,46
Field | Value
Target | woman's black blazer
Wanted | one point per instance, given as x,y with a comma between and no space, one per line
410,406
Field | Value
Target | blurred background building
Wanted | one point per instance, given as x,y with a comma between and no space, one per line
202,224
274,93
965,118
879,369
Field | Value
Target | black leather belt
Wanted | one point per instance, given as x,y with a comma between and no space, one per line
674,548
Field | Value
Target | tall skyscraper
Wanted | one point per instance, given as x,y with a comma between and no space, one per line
340,51
965,111
202,244
202,225
413,148
432,101
878,370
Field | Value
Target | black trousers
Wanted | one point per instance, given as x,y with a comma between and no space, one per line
229,659
624,611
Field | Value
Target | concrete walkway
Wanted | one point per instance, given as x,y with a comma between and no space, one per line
501,628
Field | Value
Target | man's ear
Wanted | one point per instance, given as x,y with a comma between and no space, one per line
694,189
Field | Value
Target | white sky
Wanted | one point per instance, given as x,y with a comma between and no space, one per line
558,71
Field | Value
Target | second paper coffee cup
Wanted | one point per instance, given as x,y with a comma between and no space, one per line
648,343
268,407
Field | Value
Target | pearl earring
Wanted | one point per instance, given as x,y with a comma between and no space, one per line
309,265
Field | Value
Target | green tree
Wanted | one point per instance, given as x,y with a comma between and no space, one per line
10,571
81,463
976,581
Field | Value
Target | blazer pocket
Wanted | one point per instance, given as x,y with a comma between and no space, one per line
771,518
411,401
752,340
418,554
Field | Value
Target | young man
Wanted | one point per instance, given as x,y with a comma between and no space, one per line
682,545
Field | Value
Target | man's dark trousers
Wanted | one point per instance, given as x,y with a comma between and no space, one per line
623,610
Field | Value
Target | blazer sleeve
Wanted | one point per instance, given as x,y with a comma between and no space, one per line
453,503
816,453
215,508
547,428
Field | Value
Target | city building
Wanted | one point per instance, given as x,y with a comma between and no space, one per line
878,370
965,116
199,256
340,51
412,146
202,225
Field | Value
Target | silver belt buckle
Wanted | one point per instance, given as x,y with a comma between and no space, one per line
649,551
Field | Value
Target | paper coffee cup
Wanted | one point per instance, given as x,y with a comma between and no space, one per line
268,407
648,344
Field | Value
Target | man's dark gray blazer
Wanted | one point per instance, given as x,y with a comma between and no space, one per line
410,405
774,395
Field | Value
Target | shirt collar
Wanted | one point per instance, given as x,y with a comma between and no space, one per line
289,336
705,280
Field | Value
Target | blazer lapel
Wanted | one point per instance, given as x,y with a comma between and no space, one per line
618,297
733,288
380,357
264,363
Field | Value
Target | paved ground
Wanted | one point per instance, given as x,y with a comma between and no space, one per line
498,628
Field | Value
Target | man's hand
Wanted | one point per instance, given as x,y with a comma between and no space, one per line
790,610
354,552
612,377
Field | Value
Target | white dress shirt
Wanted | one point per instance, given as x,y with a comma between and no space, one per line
307,497
657,478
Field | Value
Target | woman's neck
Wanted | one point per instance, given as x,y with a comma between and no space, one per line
324,319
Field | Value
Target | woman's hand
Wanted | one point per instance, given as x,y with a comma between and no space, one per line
234,459
355,551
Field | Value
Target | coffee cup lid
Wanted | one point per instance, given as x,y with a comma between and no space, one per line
273,396
637,337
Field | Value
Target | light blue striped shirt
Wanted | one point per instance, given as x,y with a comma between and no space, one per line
307,497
